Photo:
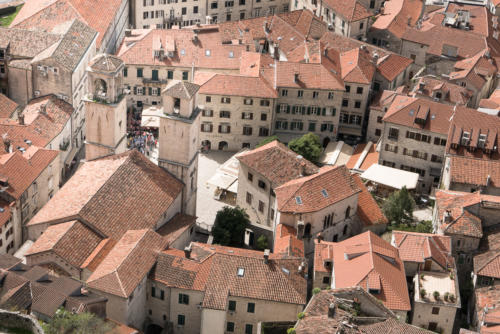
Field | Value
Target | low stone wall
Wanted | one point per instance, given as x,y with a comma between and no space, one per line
19,320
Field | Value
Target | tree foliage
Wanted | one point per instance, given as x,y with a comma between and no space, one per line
267,141
308,146
399,206
262,242
65,322
229,227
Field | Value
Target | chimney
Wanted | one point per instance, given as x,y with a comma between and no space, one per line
300,230
266,27
187,252
43,109
331,310
320,237
375,57
7,145
447,216
266,255
20,118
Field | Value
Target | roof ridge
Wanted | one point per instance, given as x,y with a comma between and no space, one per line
133,248
497,252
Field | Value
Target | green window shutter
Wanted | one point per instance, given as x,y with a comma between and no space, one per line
150,90
323,112
288,109
309,110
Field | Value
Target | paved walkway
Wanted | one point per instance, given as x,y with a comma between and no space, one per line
207,206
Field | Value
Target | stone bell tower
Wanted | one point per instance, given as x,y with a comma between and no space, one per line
106,108
178,138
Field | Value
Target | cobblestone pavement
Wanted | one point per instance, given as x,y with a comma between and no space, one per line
207,206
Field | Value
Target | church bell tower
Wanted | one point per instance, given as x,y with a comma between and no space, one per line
106,108
179,138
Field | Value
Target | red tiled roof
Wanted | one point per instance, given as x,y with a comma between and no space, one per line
114,194
393,65
488,298
237,85
461,221
174,228
315,192
213,270
405,111
451,93
368,210
488,264
370,158
357,67
398,16
128,263
7,106
350,10
367,258
474,171
286,242
47,14
419,247
277,163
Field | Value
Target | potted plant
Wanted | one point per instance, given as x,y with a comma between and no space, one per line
423,293
436,295
446,296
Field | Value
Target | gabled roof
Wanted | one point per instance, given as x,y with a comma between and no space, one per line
350,10
318,191
392,65
488,264
105,63
419,247
398,16
7,106
48,14
128,263
181,89
487,309
372,263
214,270
453,94
113,195
238,85
475,171
357,67
407,111
26,43
277,163
461,221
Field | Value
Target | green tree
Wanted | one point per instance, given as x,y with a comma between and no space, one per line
308,146
262,242
267,141
65,322
398,207
229,227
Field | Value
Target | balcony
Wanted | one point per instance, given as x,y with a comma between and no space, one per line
154,81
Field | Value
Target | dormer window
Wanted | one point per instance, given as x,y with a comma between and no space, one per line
482,140
465,138
324,193
241,272
298,200
208,53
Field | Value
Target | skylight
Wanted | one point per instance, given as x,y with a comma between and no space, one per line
208,53
183,52
231,54
324,193
298,199
241,272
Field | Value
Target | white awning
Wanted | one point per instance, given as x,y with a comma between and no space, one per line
222,180
391,177
150,117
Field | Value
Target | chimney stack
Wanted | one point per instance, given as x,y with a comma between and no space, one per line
331,310
187,252
266,256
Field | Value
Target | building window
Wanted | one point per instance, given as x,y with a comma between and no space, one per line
208,99
248,329
263,132
312,127
184,75
435,310
359,90
262,184
357,104
300,93
393,133
224,114
195,10
326,280
225,100
432,326
345,103
436,158
379,119
139,73
284,92
263,117
230,327
247,130
246,115
183,299
378,132
439,141
232,305
315,95
125,72
264,103
330,95
224,128
250,177
249,198
261,206
251,308
248,102
181,320
347,88
170,74
208,113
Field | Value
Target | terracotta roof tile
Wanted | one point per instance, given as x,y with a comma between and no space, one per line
357,67
475,172
488,298
237,85
128,263
350,10
368,254
368,210
174,228
369,159
393,65
398,16
277,163
286,242
7,106
419,247
451,93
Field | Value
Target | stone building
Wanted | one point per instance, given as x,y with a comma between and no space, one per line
106,111
229,290
414,138
364,260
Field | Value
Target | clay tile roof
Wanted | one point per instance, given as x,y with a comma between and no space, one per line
7,106
310,75
475,172
21,170
392,65
182,90
174,228
368,210
216,273
48,14
451,93
405,110
318,191
237,85
418,247
105,63
370,255
128,263
350,10
277,163
8,261
392,326
72,241
114,195
286,242
461,221
25,42
488,264
369,159
488,298
356,66
398,16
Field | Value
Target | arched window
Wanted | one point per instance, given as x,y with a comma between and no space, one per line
348,212
101,89
307,230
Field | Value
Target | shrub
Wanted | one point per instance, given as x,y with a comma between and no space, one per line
262,242
423,293
436,294
316,291
290,331
422,276
301,315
